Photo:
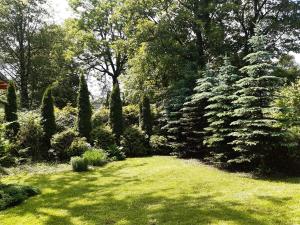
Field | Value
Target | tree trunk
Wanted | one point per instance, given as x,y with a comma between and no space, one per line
115,80
201,12
22,62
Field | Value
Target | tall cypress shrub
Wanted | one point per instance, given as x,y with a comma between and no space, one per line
116,113
84,122
145,116
11,109
257,138
48,117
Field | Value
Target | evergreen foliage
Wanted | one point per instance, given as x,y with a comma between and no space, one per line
145,116
10,109
220,114
116,113
84,121
172,115
190,122
193,120
48,118
256,133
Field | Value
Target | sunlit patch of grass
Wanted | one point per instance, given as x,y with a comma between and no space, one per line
37,168
155,191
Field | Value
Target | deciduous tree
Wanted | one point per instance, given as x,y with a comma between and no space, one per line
19,20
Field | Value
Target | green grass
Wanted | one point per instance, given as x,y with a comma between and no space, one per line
154,191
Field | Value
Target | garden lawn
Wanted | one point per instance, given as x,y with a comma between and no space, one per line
154,191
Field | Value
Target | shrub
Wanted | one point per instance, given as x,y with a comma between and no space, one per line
11,195
48,118
102,137
115,153
2,113
62,141
79,164
78,147
30,136
65,90
100,117
288,102
116,113
131,115
134,142
10,109
84,123
6,158
146,116
291,152
95,157
65,118
159,145
3,171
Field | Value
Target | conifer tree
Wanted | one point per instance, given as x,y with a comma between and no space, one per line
116,113
255,131
10,109
47,116
172,115
84,124
220,114
193,120
191,117
145,116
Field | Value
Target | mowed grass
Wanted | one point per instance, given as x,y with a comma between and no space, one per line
152,191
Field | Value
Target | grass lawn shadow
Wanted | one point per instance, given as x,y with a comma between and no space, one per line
135,192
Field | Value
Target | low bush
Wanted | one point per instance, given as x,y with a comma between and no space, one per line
131,115
7,160
102,137
79,164
11,195
31,136
290,152
62,141
6,150
78,147
115,153
159,145
134,142
2,114
3,171
65,118
95,157
100,117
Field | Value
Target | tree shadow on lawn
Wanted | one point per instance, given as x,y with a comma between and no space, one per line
275,178
146,209
82,197
282,179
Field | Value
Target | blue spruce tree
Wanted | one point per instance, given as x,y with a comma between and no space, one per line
256,135
220,115
193,120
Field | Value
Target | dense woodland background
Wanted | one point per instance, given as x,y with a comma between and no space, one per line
207,79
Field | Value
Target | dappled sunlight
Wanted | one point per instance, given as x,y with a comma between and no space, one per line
131,192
